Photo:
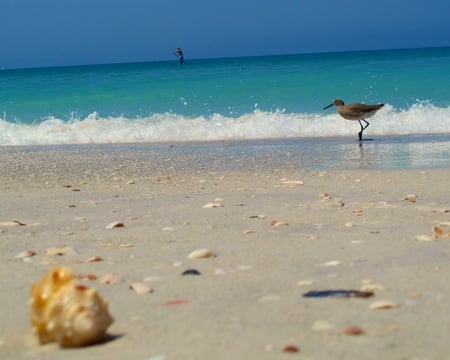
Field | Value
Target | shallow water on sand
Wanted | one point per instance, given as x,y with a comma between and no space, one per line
338,153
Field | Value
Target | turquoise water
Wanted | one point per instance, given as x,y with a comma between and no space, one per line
274,97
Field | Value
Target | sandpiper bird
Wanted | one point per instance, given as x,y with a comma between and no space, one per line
356,111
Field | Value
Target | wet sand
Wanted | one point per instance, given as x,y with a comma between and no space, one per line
277,232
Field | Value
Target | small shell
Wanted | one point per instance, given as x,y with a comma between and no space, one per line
353,330
277,223
191,272
94,259
357,212
383,305
60,251
291,349
321,325
110,279
372,287
303,283
438,230
201,254
115,224
411,198
332,263
12,223
175,302
325,196
212,205
25,254
140,288
89,277
424,238
126,245
293,183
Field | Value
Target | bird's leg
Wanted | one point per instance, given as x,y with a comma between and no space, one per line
363,127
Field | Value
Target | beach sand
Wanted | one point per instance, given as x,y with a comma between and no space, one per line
277,232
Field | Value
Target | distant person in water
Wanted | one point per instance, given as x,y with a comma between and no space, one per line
179,53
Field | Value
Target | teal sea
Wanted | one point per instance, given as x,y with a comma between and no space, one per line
251,98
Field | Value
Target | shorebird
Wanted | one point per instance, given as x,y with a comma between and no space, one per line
356,111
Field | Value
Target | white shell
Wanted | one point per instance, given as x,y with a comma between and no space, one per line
201,254
383,305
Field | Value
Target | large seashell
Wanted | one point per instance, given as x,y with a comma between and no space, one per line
67,313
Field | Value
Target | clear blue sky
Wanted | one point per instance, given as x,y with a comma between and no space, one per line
70,32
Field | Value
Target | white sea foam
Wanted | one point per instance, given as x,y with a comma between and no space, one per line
421,118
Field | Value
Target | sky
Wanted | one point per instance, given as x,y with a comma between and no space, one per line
37,33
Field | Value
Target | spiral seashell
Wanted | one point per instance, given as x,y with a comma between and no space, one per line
67,313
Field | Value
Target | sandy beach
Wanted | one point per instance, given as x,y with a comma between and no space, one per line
276,232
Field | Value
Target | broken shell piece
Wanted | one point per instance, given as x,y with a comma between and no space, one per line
357,212
321,325
127,245
67,313
60,251
442,230
191,272
353,330
338,294
277,223
332,263
372,287
303,283
411,198
291,349
12,223
382,305
325,196
293,183
424,238
110,279
115,224
212,205
201,254
140,288
25,254
94,259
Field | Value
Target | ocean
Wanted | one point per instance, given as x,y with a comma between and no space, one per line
274,98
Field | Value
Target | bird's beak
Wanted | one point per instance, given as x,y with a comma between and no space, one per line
326,107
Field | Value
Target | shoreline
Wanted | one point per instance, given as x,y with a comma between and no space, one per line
302,154
278,231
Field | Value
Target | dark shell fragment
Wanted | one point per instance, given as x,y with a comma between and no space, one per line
338,293
191,272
